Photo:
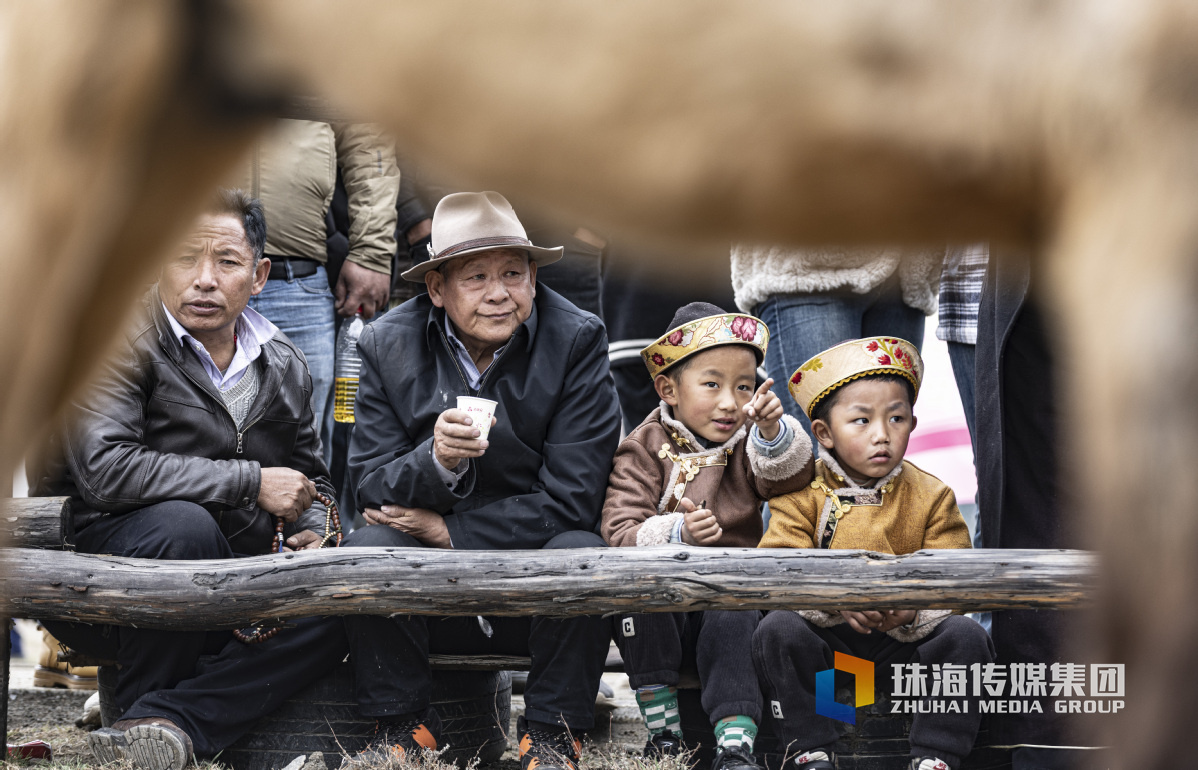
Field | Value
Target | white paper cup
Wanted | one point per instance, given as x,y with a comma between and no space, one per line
481,410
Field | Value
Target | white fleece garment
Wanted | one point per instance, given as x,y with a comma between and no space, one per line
760,272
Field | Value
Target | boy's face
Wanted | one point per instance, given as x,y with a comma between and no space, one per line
868,428
709,396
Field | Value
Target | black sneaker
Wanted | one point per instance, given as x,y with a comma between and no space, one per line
814,759
663,744
734,758
547,750
928,763
395,740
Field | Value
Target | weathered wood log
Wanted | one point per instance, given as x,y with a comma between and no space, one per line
35,522
381,581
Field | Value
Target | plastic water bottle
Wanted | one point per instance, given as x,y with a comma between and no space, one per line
348,365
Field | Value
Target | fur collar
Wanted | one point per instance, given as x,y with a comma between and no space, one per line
833,467
681,431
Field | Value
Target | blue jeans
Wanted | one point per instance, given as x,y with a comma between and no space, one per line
802,325
961,356
303,309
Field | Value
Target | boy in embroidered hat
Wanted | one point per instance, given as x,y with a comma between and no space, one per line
859,396
693,472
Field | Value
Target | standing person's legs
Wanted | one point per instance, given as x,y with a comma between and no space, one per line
961,356
149,659
1031,518
802,325
888,316
303,309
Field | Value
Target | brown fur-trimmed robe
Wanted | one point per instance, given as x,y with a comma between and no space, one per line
733,478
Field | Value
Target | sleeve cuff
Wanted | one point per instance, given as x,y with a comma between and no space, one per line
451,477
776,447
658,530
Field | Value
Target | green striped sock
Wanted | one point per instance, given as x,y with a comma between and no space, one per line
659,707
736,731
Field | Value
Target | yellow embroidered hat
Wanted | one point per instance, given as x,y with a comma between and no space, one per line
699,326
824,373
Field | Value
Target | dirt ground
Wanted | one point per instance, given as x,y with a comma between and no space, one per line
50,714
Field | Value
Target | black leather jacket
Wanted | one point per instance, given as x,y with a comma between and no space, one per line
153,428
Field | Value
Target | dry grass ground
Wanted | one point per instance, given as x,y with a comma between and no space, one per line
49,715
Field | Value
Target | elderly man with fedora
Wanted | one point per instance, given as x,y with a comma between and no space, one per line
426,476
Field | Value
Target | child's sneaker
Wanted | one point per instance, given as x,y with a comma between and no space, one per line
397,740
734,758
928,763
815,759
663,744
543,750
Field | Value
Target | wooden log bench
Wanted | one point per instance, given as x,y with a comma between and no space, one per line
41,577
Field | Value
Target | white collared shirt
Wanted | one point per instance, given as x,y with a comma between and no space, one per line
253,331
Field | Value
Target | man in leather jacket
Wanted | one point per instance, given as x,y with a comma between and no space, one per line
194,440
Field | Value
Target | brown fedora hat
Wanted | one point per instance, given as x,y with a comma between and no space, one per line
467,223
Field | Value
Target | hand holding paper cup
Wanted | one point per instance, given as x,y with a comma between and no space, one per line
480,411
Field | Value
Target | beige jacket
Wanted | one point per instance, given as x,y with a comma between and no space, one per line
293,172
907,511
660,462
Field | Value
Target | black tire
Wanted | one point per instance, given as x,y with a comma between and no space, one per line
475,709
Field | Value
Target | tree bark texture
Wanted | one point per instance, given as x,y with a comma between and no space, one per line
383,581
35,522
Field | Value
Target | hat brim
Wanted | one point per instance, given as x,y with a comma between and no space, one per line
540,255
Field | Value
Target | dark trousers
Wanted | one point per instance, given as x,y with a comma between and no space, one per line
161,673
788,651
390,655
717,643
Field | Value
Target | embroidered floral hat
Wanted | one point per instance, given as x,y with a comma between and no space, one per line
826,372
699,326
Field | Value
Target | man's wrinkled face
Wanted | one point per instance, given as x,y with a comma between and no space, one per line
486,295
213,277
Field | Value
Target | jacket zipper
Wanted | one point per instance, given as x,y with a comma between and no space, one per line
239,433
494,363
462,375
454,359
